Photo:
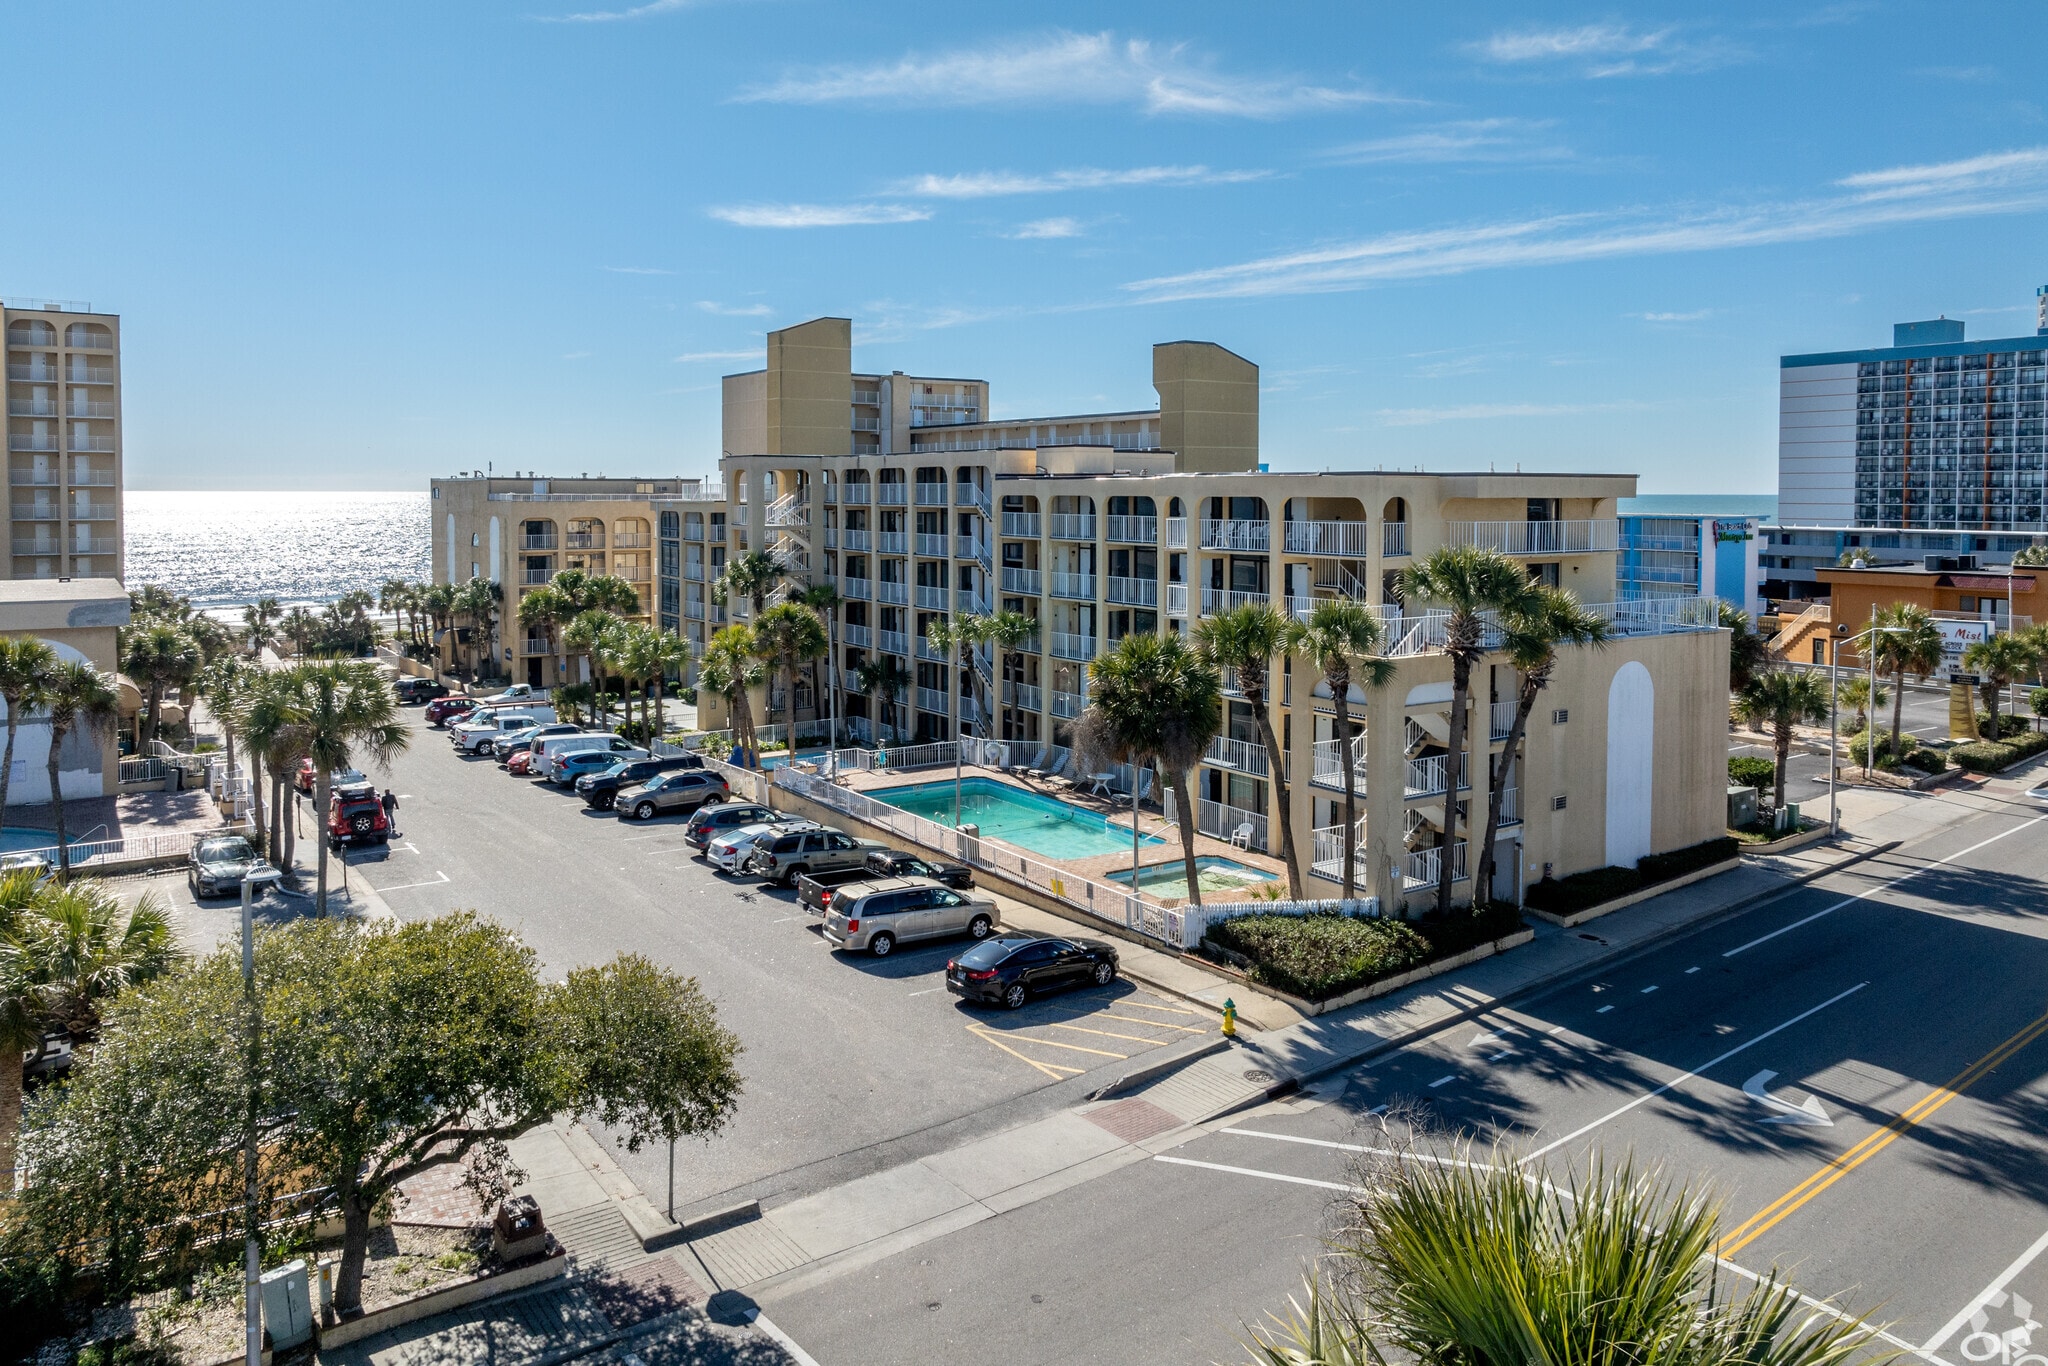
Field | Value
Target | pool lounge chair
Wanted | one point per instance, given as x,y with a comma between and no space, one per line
1059,768
1036,768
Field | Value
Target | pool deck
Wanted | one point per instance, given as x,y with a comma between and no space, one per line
1097,867
127,816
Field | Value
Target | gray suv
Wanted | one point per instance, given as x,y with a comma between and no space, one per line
877,915
684,790
783,858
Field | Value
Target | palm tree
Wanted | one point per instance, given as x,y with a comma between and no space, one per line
788,636
299,627
731,669
1008,632
608,651
751,576
1245,640
1469,582
880,679
2033,557
478,600
1344,640
1155,699
259,624
270,722
81,699
548,609
438,602
22,1017
347,711
1904,641
160,656
953,638
2000,660
585,636
1780,699
1855,692
823,599
1747,651
26,666
668,653
223,684
1552,619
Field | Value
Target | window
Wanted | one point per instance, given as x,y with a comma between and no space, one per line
1820,650
475,539
842,842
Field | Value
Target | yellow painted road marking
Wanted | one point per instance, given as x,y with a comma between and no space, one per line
1150,1024
1053,1070
1785,1205
1108,1034
1147,1005
1048,1043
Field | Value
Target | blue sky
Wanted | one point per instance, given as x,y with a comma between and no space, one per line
356,246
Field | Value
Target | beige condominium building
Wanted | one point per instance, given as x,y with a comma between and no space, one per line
63,440
914,502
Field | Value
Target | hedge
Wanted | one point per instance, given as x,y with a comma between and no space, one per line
1583,891
1320,956
1749,771
1988,756
1924,758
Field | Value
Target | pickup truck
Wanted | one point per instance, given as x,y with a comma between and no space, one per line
814,891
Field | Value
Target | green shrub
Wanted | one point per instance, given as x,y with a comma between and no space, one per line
1318,956
1596,886
1926,759
2038,700
1678,862
1749,771
2008,723
1989,756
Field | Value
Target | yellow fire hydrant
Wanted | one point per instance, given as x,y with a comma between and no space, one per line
1229,1019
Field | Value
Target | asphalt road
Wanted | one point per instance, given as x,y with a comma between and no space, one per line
852,1063
1856,1069
1925,714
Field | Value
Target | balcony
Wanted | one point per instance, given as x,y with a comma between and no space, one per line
970,600
92,512
1133,592
1073,526
41,338
970,710
1176,599
1219,820
1177,533
1069,645
1230,534
45,546
693,529
1132,530
854,492
934,700
95,479
38,512
633,573
536,645
893,591
541,541
632,540
1327,770
1350,540
860,637
871,398
1243,756
1428,776
928,651
1068,705
1503,719
583,540
1223,599
1394,538
854,539
866,424
694,571
1510,806
533,578
894,642
1080,586
1539,538
87,374
1301,609
892,542
89,341
931,597
931,495
29,441
970,548
1026,696
1424,866
34,374
96,545
35,478
1026,581
98,445
32,407
858,589
1022,526
693,608
931,546
892,495
79,407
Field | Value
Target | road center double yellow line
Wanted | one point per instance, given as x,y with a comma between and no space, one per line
1785,1205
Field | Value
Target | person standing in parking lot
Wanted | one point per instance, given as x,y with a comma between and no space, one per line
390,803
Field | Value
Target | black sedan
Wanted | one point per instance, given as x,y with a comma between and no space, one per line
1014,966
216,867
896,863
600,788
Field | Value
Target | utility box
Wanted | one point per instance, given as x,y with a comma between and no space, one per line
519,1232
1741,806
287,1305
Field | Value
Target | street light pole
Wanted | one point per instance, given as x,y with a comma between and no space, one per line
1834,741
252,1257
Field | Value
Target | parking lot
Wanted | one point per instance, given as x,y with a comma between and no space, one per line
852,1063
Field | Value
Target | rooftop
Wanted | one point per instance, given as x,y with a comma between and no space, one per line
61,604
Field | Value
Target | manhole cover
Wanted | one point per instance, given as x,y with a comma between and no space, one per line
1257,1074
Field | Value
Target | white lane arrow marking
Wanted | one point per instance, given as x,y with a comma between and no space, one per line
1811,1112
1501,1035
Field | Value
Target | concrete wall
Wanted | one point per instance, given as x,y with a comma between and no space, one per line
809,389
744,414
1208,406
79,620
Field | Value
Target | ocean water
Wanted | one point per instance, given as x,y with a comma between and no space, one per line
226,549
1764,505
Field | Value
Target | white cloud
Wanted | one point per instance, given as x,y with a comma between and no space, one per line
2006,182
1695,316
1604,50
690,357
613,15
734,310
817,215
1064,68
1045,228
990,184
638,270
1469,412
1471,140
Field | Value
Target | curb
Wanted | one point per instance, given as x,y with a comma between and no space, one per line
1161,1067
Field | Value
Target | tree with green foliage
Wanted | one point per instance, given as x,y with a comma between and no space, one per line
345,713
2033,557
732,669
26,667
1747,651
1905,641
1778,701
1999,660
1343,639
823,599
1245,640
79,700
1746,770
160,656
272,733
880,679
478,600
2038,701
751,576
788,636
1855,692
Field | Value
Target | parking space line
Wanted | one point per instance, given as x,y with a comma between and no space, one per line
1108,1034
984,1031
1253,1171
1051,1069
435,881
1152,1024
1984,1297
1148,1005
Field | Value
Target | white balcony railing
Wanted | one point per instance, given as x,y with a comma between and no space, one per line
854,492
1425,865
893,591
894,642
38,512
1326,854
969,548
867,424
1394,538
1027,581
860,589
931,546
1066,585
854,538
30,441
1219,820
1503,719
538,541
1072,645
971,600
101,445
928,651
892,495
32,407
1073,526
1510,806
1068,705
934,700
35,478
1428,776
1132,530
1245,756
931,597
892,542
1176,599
1223,599
1539,538
1301,609
1026,696
1351,540
931,495
1133,592
1021,526
1232,534
1328,764
870,397
1177,533
860,637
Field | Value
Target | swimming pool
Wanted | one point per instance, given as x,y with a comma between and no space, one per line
1010,814
15,838
1212,874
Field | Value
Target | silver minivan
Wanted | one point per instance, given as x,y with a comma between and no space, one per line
876,916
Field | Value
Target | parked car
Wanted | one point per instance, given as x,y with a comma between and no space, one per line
217,866
549,752
476,733
526,737
730,852
815,890
413,690
357,817
302,777
1016,966
582,763
443,711
784,859
514,692
520,764
599,788
709,823
876,916
686,790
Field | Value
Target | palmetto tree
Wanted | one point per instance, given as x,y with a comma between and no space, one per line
1855,693
345,711
478,600
299,626
546,610
2000,659
1468,583
259,624
1007,632
160,656
611,656
80,700
789,636
1905,641
1747,651
1552,619
272,733
954,637
751,576
224,683
585,636
437,600
880,679
667,653
1246,639
1155,699
26,666
1780,699
732,668
823,599
1343,639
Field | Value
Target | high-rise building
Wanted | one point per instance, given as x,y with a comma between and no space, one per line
63,440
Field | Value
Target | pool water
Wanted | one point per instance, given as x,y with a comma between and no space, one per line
1014,816
1212,874
14,839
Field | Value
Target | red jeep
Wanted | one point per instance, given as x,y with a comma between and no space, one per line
357,817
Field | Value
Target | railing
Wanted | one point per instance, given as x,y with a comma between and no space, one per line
1503,719
29,441
1245,756
541,541
867,424
967,600
970,710
1068,705
1132,530
854,492
632,540
583,540
931,546
1133,592
1510,806
98,479
1233,534
976,497
871,397
1223,599
37,512
693,608
927,650
37,478
90,374
1026,581
32,339
1219,820
892,495
934,700
97,445
1326,854
83,408
537,645
633,573
97,545
39,547
892,542
534,578
91,855
1328,764
693,530
1429,776
1301,609
1022,526
32,407
1394,538
1028,696
1176,599
969,548
931,597
860,589
1424,866
931,495
34,373
1070,645
894,642
694,571
1350,539
1073,526
1177,533
1539,538
89,341
893,591
1067,585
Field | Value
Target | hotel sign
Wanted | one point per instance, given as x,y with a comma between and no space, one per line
1735,532
1958,636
